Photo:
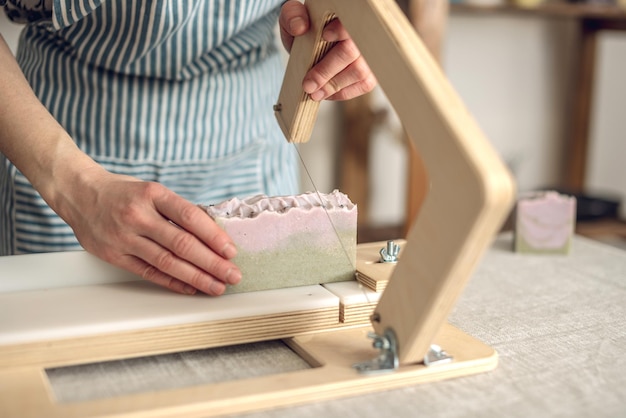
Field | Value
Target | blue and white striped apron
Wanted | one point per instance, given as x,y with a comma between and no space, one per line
174,91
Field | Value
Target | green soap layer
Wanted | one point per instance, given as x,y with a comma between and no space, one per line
522,246
299,264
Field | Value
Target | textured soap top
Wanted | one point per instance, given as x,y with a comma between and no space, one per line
285,241
253,206
262,223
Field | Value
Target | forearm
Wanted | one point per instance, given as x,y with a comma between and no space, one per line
33,140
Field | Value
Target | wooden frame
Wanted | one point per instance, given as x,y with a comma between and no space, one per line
470,194
471,191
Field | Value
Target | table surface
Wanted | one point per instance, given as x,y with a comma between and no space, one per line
557,322
559,326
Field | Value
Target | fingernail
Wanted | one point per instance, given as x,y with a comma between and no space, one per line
309,86
233,276
318,95
217,288
297,25
229,251
189,290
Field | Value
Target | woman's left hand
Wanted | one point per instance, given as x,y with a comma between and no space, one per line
343,73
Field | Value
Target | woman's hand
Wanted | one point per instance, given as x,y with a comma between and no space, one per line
139,226
149,230
343,73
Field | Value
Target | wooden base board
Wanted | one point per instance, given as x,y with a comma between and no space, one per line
107,320
26,392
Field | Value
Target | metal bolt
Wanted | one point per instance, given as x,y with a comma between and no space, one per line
380,343
390,253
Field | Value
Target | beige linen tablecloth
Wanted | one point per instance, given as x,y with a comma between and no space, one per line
557,322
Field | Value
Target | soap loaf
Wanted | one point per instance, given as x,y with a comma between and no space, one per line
287,241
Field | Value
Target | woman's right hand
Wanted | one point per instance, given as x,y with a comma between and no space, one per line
149,230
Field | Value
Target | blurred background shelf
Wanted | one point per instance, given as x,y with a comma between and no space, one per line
602,11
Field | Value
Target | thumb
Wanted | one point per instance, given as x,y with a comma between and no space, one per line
293,21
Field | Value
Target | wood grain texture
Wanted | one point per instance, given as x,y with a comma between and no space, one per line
24,392
295,111
356,302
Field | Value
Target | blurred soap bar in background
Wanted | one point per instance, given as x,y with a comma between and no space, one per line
544,223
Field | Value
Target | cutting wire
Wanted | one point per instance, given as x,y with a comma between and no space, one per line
319,196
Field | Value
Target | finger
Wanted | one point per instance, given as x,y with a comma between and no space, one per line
187,247
293,21
196,221
339,57
355,80
353,90
162,264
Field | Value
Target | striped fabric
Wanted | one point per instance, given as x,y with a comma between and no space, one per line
178,92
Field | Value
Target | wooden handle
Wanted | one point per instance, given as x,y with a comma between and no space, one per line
295,111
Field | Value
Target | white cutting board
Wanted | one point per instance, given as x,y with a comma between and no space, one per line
72,294
70,312
61,269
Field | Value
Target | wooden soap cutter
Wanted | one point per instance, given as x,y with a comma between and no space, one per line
470,193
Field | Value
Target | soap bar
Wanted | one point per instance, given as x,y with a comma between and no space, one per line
287,241
545,223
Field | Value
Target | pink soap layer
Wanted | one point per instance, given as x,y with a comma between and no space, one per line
262,223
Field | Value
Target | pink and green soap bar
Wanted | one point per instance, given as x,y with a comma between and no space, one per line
288,241
545,223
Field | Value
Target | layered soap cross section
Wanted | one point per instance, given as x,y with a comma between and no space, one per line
286,241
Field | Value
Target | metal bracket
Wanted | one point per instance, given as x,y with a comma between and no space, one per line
387,360
436,355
